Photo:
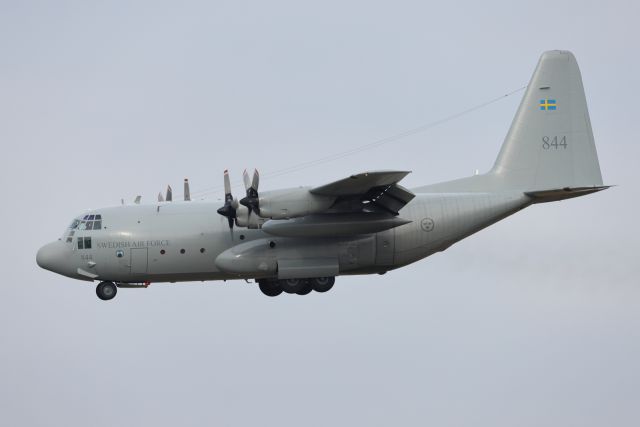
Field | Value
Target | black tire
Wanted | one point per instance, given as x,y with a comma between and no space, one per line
269,288
305,289
322,284
291,286
106,291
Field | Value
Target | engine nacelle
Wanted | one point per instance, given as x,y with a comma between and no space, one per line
243,219
292,203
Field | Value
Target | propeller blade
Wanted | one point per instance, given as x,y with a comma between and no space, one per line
256,180
247,181
230,205
227,185
187,193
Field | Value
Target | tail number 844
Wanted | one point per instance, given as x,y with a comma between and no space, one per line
554,142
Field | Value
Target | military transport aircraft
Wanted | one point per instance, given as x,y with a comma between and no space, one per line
298,240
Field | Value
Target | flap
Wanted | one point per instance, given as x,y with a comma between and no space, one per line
360,183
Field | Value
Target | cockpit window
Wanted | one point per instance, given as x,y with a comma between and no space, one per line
85,222
88,222
84,242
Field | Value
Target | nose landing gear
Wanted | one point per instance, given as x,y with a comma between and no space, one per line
106,290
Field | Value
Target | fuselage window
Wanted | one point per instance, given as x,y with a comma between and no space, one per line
80,243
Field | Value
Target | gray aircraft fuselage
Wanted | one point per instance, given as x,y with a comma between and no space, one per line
180,241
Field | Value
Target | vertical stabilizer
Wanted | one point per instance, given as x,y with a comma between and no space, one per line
550,144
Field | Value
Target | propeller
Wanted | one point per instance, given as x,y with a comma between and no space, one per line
230,204
251,201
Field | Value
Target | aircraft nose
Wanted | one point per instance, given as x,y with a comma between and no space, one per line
51,256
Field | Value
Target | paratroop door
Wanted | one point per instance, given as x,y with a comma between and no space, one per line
385,247
139,260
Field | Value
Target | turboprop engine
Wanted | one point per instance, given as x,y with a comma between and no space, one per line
292,203
255,209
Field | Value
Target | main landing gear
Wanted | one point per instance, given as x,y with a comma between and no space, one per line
106,290
273,288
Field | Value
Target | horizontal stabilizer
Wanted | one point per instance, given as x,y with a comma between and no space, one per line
563,193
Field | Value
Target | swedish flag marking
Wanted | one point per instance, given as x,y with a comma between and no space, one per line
548,104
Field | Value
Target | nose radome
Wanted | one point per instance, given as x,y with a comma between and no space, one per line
51,256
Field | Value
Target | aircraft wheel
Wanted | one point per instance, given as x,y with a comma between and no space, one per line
291,286
306,288
322,284
106,291
269,288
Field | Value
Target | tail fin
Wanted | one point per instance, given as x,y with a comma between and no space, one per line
550,144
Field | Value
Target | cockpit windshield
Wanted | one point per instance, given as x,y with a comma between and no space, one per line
86,222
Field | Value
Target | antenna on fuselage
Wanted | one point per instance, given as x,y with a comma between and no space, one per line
169,197
137,200
160,198
187,193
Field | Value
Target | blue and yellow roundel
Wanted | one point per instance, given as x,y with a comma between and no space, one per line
548,104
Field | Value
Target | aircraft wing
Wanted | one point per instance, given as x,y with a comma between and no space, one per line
365,203
360,183
376,191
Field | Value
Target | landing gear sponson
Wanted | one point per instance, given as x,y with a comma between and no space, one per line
270,287
273,288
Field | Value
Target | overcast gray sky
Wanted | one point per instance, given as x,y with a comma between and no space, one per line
534,321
